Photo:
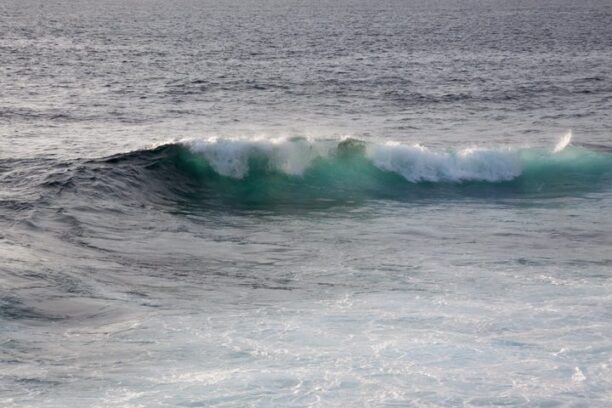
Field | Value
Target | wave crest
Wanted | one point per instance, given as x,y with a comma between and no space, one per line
235,158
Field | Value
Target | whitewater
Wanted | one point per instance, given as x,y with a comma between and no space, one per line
296,156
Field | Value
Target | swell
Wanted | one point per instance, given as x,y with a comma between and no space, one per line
298,170
228,173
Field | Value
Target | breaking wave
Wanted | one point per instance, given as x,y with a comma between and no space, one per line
299,170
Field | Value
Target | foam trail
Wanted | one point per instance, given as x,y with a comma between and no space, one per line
563,142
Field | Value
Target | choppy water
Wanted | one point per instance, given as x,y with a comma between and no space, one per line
287,203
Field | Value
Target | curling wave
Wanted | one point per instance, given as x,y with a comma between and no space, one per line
300,170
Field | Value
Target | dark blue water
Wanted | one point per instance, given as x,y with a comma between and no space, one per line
305,203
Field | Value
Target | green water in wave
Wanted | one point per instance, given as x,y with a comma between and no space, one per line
350,176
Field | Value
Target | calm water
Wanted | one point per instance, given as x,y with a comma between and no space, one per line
305,203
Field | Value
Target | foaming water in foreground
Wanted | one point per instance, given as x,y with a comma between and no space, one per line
437,304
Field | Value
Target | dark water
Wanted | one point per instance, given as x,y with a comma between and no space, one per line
305,203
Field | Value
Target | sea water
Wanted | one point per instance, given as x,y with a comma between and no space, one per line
305,203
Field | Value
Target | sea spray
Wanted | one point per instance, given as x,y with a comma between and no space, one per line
238,158
563,142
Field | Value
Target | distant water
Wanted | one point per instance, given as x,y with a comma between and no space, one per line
305,203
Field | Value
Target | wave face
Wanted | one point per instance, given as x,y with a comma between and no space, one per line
301,170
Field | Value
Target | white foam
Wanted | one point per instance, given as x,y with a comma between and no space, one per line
417,163
230,157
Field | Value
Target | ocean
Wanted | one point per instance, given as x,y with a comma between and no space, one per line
298,203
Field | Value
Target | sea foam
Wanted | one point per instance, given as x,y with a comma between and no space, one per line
416,163
231,157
